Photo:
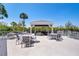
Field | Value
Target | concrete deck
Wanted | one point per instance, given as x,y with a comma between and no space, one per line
46,47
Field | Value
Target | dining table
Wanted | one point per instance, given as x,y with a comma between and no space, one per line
27,35
55,36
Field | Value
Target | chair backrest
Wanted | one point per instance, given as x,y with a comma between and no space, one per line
25,39
17,35
59,35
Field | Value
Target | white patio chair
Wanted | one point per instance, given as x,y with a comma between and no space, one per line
26,40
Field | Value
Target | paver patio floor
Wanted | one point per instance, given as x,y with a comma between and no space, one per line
46,47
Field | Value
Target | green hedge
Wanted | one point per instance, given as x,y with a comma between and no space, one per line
41,28
66,28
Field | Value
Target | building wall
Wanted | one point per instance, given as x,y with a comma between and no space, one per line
3,46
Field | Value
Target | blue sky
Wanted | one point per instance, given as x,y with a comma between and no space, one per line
57,13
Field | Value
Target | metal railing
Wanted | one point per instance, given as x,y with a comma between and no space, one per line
74,35
71,34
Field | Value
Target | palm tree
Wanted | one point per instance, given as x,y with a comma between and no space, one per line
23,16
3,12
13,25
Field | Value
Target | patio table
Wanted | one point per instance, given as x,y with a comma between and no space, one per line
55,36
26,37
30,35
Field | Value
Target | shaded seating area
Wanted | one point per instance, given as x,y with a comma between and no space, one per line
41,27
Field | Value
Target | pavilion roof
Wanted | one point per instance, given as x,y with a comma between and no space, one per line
41,22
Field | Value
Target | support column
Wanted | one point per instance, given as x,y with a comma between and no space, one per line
35,31
52,29
31,30
48,30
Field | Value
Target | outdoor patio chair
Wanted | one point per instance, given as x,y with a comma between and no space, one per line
33,36
17,39
60,32
59,37
26,40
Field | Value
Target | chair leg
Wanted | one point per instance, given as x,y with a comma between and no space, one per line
17,42
21,45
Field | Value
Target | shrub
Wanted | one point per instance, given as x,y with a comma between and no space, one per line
41,28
